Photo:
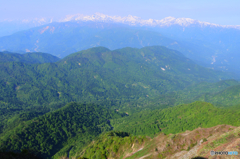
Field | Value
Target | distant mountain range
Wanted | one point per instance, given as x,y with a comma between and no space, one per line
210,45
134,20
130,20
8,27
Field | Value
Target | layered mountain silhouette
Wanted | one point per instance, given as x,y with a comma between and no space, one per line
210,45
99,73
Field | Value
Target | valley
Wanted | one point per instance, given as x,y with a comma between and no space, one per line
55,108
112,87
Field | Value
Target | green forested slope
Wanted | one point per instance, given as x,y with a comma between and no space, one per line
68,130
197,92
227,97
98,74
177,119
223,93
125,139
127,79
49,133
36,57
72,127
110,145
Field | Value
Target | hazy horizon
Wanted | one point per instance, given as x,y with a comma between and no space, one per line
218,12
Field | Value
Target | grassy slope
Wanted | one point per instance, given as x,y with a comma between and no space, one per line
190,144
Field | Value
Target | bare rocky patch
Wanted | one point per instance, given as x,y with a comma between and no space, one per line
190,144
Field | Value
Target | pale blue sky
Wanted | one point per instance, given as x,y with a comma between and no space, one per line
225,12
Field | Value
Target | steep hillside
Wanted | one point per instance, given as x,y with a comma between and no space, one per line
111,145
187,145
69,130
49,133
192,144
125,141
177,119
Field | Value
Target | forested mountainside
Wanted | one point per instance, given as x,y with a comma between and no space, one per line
99,74
28,57
54,108
176,119
70,130
222,93
49,133
132,133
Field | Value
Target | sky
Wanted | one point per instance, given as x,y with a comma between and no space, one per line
223,12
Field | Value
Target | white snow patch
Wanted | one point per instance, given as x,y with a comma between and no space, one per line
214,59
134,20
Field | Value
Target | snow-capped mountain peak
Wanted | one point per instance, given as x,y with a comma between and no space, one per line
134,20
